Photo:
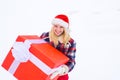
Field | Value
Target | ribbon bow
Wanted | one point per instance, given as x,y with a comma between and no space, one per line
20,52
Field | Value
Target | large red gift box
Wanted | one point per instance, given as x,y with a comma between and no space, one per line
42,60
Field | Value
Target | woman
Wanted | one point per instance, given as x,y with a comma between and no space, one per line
59,38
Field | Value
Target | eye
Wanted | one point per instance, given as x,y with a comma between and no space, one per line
55,25
61,27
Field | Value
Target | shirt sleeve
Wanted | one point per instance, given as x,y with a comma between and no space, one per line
44,35
71,55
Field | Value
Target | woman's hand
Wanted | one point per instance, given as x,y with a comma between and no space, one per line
60,71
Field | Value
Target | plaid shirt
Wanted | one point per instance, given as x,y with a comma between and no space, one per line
69,51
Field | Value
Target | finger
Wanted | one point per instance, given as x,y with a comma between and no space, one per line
54,75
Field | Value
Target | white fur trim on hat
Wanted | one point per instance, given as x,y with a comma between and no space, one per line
60,22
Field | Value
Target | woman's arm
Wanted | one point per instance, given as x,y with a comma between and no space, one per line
71,55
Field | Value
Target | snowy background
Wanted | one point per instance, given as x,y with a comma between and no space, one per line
94,24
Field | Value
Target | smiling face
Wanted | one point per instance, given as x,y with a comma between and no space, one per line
58,29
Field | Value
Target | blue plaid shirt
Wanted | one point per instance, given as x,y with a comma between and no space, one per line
68,51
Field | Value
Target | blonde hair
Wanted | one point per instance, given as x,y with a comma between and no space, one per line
65,37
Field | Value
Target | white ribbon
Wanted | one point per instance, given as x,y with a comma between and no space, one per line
21,53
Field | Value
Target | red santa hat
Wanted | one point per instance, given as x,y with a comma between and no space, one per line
62,20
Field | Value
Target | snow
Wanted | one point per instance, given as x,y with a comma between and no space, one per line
94,24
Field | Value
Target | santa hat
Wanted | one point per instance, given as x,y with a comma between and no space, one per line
62,20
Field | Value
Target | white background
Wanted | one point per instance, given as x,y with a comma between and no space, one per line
94,24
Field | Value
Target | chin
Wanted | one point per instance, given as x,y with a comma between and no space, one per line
57,34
